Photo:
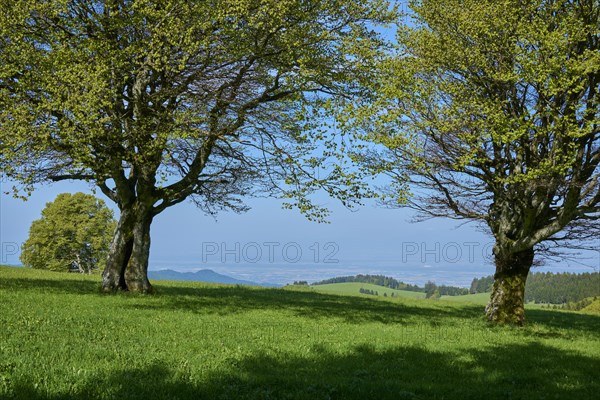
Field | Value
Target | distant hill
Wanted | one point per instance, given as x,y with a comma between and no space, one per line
391,283
379,280
593,308
204,275
354,288
476,298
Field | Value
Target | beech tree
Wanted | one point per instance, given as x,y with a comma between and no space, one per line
155,102
74,233
491,114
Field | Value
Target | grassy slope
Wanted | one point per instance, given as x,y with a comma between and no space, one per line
478,298
593,308
352,288
62,339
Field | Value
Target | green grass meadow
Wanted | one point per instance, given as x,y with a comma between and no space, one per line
477,298
60,338
353,288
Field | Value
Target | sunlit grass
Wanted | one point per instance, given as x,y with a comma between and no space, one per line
61,338
353,288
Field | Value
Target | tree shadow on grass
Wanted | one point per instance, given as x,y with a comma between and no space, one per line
64,285
228,300
526,371
231,300
565,320
522,371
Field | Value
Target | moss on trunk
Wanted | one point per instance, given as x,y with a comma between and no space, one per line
507,301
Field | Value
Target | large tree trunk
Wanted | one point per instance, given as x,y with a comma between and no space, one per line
507,302
136,273
127,264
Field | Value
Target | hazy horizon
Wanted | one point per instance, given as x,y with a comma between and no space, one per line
451,275
268,244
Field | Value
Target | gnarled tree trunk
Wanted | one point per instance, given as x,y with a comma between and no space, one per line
507,302
127,264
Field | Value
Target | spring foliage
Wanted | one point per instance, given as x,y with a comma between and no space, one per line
492,114
73,234
496,108
157,102
210,100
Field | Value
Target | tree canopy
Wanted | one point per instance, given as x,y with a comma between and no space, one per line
73,234
157,102
491,114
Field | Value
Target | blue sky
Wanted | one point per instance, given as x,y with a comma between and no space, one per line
268,244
